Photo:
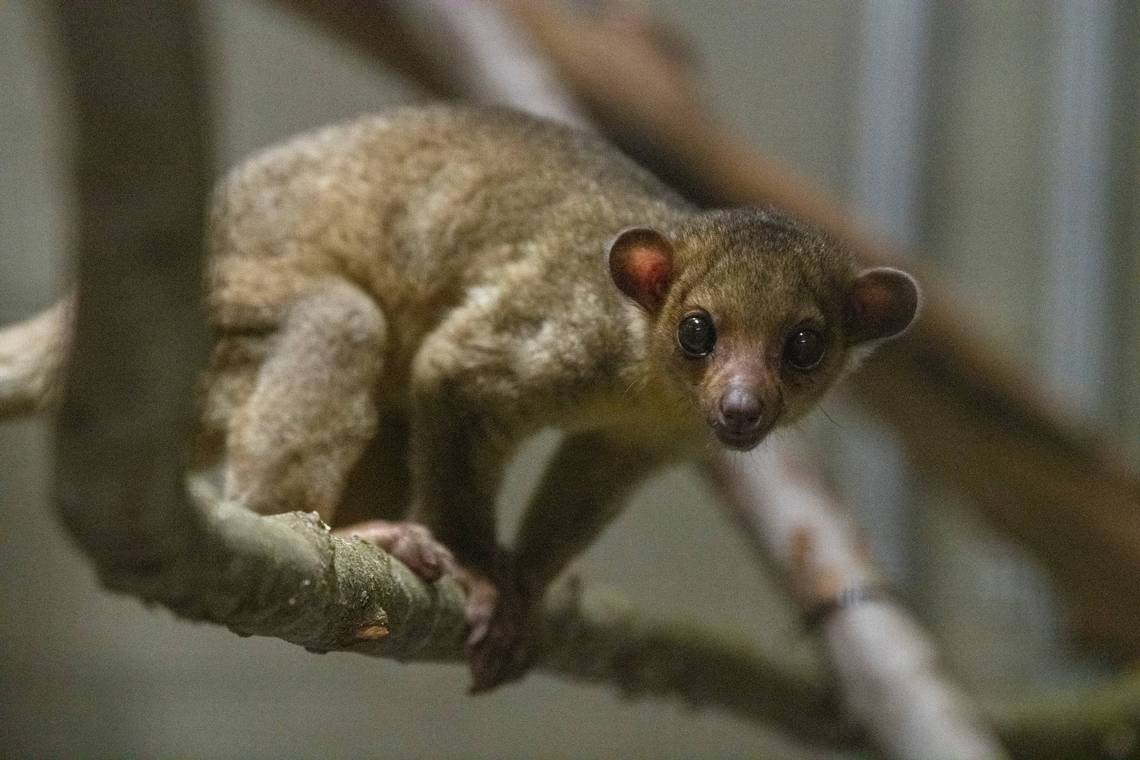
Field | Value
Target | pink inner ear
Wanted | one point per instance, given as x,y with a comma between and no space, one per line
641,264
872,299
650,272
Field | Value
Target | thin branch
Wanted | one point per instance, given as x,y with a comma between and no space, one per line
885,665
31,360
490,58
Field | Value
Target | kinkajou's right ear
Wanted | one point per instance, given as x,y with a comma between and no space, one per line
641,265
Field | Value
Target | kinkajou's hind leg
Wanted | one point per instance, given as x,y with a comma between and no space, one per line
292,443
312,411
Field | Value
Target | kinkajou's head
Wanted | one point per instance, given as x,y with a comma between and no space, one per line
755,316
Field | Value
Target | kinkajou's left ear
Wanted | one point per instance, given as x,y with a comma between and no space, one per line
881,304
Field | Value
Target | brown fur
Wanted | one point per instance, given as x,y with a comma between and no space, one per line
447,266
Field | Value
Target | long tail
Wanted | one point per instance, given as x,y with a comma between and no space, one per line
32,356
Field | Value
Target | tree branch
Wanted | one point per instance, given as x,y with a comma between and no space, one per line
885,665
32,353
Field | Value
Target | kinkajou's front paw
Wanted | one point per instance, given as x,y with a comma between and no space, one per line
500,646
409,542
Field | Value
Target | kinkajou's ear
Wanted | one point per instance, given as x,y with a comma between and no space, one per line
641,265
881,304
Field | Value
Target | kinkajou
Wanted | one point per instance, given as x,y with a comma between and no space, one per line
483,275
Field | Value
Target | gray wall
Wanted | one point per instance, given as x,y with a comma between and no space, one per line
86,674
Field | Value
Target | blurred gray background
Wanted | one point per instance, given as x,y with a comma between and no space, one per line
1000,139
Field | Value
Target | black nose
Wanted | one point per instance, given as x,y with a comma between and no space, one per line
740,411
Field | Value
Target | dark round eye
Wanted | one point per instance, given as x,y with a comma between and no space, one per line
803,349
696,334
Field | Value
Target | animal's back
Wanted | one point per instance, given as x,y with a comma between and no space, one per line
416,207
